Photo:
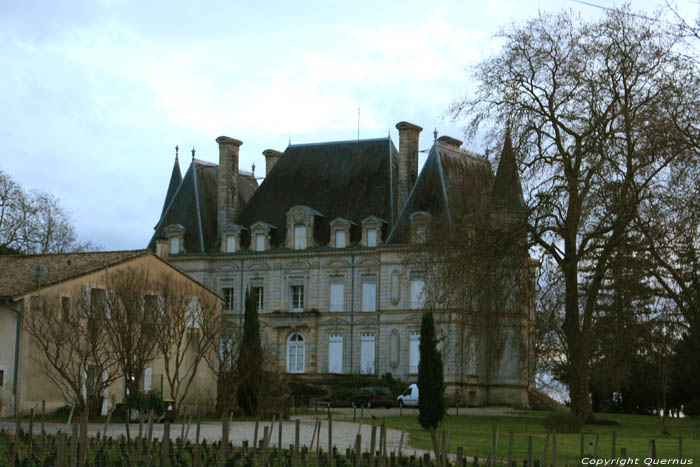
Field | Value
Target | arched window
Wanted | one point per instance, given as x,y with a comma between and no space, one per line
295,353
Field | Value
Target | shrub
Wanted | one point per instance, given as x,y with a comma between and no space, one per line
563,422
343,388
692,408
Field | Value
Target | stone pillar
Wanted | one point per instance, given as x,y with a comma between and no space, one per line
271,158
228,181
408,159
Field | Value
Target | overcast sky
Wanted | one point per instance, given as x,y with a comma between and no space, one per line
95,95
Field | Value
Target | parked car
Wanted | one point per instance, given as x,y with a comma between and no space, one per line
373,396
409,398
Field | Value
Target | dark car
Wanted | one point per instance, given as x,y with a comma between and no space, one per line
373,396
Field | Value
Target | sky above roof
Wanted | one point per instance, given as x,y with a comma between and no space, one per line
94,95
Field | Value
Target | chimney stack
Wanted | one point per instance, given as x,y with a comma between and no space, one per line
228,181
408,159
271,158
448,141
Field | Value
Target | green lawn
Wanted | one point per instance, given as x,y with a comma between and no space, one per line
474,434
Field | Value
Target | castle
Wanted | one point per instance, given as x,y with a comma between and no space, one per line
325,243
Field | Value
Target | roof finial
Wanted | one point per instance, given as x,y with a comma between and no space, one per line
193,151
435,135
253,169
177,149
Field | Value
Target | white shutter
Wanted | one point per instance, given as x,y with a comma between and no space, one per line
105,394
86,304
339,239
193,314
367,353
337,294
335,353
417,293
147,379
414,351
109,301
299,237
369,293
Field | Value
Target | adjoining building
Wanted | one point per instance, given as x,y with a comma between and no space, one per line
327,243
73,280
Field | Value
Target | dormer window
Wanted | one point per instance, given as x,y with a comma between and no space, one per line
231,238
340,232
340,239
299,237
260,236
372,237
176,238
300,227
371,231
419,226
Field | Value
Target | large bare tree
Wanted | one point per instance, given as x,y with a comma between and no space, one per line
599,110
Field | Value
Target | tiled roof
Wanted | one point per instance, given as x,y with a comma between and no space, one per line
18,278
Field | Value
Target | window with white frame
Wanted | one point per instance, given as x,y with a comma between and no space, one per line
340,239
335,353
337,293
227,293
230,243
296,294
417,293
259,242
413,351
371,236
259,295
296,350
367,353
299,237
369,292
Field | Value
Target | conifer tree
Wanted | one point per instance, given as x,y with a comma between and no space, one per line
250,360
431,387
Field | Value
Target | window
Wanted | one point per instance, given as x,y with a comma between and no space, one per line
413,351
420,234
367,353
174,245
335,353
65,308
299,237
340,239
98,299
259,242
3,370
193,314
227,293
372,237
91,382
296,297
230,244
295,353
147,379
417,293
337,293
259,294
369,293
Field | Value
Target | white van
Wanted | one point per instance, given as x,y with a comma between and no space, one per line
409,398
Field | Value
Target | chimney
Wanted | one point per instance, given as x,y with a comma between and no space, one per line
228,181
452,143
408,159
162,247
271,158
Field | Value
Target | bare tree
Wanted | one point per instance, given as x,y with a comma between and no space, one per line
34,222
69,332
188,330
598,110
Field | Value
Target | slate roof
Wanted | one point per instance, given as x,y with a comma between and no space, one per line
507,191
350,179
194,206
16,270
175,180
451,181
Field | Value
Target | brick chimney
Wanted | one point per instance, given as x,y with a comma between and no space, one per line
228,181
408,159
271,158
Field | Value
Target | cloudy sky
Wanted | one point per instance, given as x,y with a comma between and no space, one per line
95,95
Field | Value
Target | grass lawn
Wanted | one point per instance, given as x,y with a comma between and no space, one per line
474,434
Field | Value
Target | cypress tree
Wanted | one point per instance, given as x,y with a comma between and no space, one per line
249,359
431,387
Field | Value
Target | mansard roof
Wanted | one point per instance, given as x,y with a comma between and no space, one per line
350,179
194,206
452,182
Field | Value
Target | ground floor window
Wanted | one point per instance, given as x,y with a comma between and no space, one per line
295,353
367,355
335,353
413,351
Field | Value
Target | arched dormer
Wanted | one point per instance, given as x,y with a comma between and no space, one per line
260,236
419,226
231,238
372,231
300,227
